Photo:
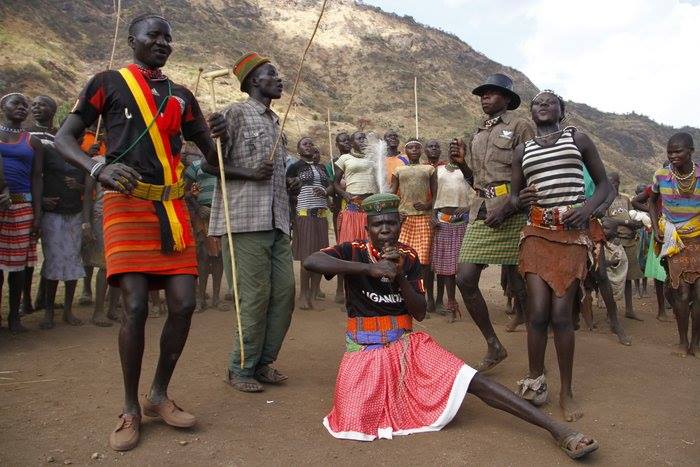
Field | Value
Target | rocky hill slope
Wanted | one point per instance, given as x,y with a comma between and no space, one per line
361,66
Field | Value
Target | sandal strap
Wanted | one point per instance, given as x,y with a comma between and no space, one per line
574,438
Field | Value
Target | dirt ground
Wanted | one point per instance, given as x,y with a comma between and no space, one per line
60,395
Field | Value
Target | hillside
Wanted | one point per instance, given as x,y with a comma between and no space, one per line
361,66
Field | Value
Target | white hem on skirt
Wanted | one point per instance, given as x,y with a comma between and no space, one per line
454,402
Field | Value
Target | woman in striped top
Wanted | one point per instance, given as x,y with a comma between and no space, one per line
556,243
310,182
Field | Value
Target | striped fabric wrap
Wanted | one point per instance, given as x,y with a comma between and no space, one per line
367,333
17,247
173,226
133,242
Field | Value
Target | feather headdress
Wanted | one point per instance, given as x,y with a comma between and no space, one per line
377,151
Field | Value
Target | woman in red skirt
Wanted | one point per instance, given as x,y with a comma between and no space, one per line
393,381
20,202
360,182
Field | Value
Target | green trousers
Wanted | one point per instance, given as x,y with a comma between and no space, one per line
266,292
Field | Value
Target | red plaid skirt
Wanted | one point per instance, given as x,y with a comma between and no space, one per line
409,386
17,247
417,233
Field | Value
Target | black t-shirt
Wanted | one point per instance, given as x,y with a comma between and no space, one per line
54,171
107,94
366,296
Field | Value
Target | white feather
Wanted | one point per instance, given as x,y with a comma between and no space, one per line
377,151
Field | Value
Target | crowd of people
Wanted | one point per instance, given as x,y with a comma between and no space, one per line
141,211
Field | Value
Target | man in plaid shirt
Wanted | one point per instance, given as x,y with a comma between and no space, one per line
259,215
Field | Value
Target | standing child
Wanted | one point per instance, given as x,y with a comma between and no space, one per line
417,184
677,231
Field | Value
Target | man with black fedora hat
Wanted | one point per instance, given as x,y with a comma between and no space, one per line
259,216
494,227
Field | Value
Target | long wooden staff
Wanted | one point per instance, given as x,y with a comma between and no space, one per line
296,81
196,83
330,145
211,76
111,61
415,100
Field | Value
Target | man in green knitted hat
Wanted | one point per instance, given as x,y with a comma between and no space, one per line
393,381
259,216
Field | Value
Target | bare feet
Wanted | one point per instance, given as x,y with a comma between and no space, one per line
570,409
632,315
494,355
694,350
320,296
17,328
47,323
305,303
201,306
514,322
431,305
69,318
622,337
681,350
339,298
221,306
85,299
101,321
664,318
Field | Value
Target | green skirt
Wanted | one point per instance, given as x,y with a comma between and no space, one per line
653,268
484,245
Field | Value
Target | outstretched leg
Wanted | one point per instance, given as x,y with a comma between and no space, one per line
468,276
499,397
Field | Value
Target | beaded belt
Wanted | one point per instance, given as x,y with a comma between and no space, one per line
157,192
450,218
378,329
21,197
312,212
550,218
494,191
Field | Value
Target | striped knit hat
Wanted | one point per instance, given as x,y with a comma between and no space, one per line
246,64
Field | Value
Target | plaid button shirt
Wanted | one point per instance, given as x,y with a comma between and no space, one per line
255,206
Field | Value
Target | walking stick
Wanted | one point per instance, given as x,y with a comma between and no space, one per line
415,99
296,81
111,60
196,83
330,145
211,76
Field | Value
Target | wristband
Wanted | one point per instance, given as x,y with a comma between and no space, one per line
96,169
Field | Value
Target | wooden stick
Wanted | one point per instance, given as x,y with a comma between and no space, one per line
229,235
415,99
296,81
330,145
28,382
196,84
111,61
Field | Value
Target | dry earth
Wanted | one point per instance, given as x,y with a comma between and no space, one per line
61,394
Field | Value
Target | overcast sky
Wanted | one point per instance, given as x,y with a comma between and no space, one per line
616,55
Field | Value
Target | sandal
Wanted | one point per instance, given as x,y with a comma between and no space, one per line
269,375
243,383
574,439
533,390
488,363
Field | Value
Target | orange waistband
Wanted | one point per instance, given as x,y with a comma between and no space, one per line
380,323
